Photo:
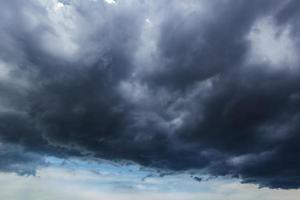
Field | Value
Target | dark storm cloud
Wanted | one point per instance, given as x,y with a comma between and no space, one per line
206,44
177,88
14,159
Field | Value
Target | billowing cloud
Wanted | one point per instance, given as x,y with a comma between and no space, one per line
207,85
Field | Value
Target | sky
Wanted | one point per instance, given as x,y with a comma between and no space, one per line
137,99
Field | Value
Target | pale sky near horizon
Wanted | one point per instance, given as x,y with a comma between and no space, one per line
85,180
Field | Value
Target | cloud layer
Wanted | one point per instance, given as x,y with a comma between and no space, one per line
209,85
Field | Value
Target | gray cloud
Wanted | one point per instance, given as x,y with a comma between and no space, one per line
189,87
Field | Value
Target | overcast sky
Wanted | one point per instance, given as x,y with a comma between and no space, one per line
117,99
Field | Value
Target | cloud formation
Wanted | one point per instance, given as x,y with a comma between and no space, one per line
209,85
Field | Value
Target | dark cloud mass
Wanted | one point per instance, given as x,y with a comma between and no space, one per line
209,85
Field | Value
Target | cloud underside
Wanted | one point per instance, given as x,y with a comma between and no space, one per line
209,85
